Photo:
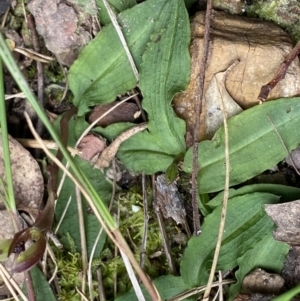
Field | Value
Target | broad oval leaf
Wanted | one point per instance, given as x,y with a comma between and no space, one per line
164,72
254,144
246,224
102,70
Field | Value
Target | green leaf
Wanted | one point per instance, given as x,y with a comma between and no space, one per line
164,72
102,70
287,296
113,130
4,248
42,289
254,145
117,6
167,286
70,222
246,225
286,193
267,254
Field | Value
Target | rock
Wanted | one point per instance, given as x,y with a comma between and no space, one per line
65,27
28,180
258,46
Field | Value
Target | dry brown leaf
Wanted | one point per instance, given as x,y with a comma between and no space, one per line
260,47
169,201
109,153
125,112
27,178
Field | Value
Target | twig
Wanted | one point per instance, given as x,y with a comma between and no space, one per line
5,17
109,153
220,286
11,283
40,70
122,39
29,286
32,143
34,55
146,218
64,213
283,144
225,201
280,74
200,83
197,290
83,297
84,255
100,285
130,272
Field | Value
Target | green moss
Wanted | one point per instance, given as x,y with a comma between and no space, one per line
129,207
70,273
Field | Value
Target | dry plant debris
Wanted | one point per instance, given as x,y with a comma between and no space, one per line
7,231
260,47
125,112
168,200
109,153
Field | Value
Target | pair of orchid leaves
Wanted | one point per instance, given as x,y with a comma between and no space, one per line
25,259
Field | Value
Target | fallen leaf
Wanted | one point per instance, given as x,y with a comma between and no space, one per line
125,112
109,153
169,201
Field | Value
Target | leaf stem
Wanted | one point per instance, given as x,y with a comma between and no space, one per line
10,201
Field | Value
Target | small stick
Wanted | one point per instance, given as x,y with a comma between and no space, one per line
196,217
40,70
225,202
146,219
102,296
280,74
32,143
283,144
122,39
